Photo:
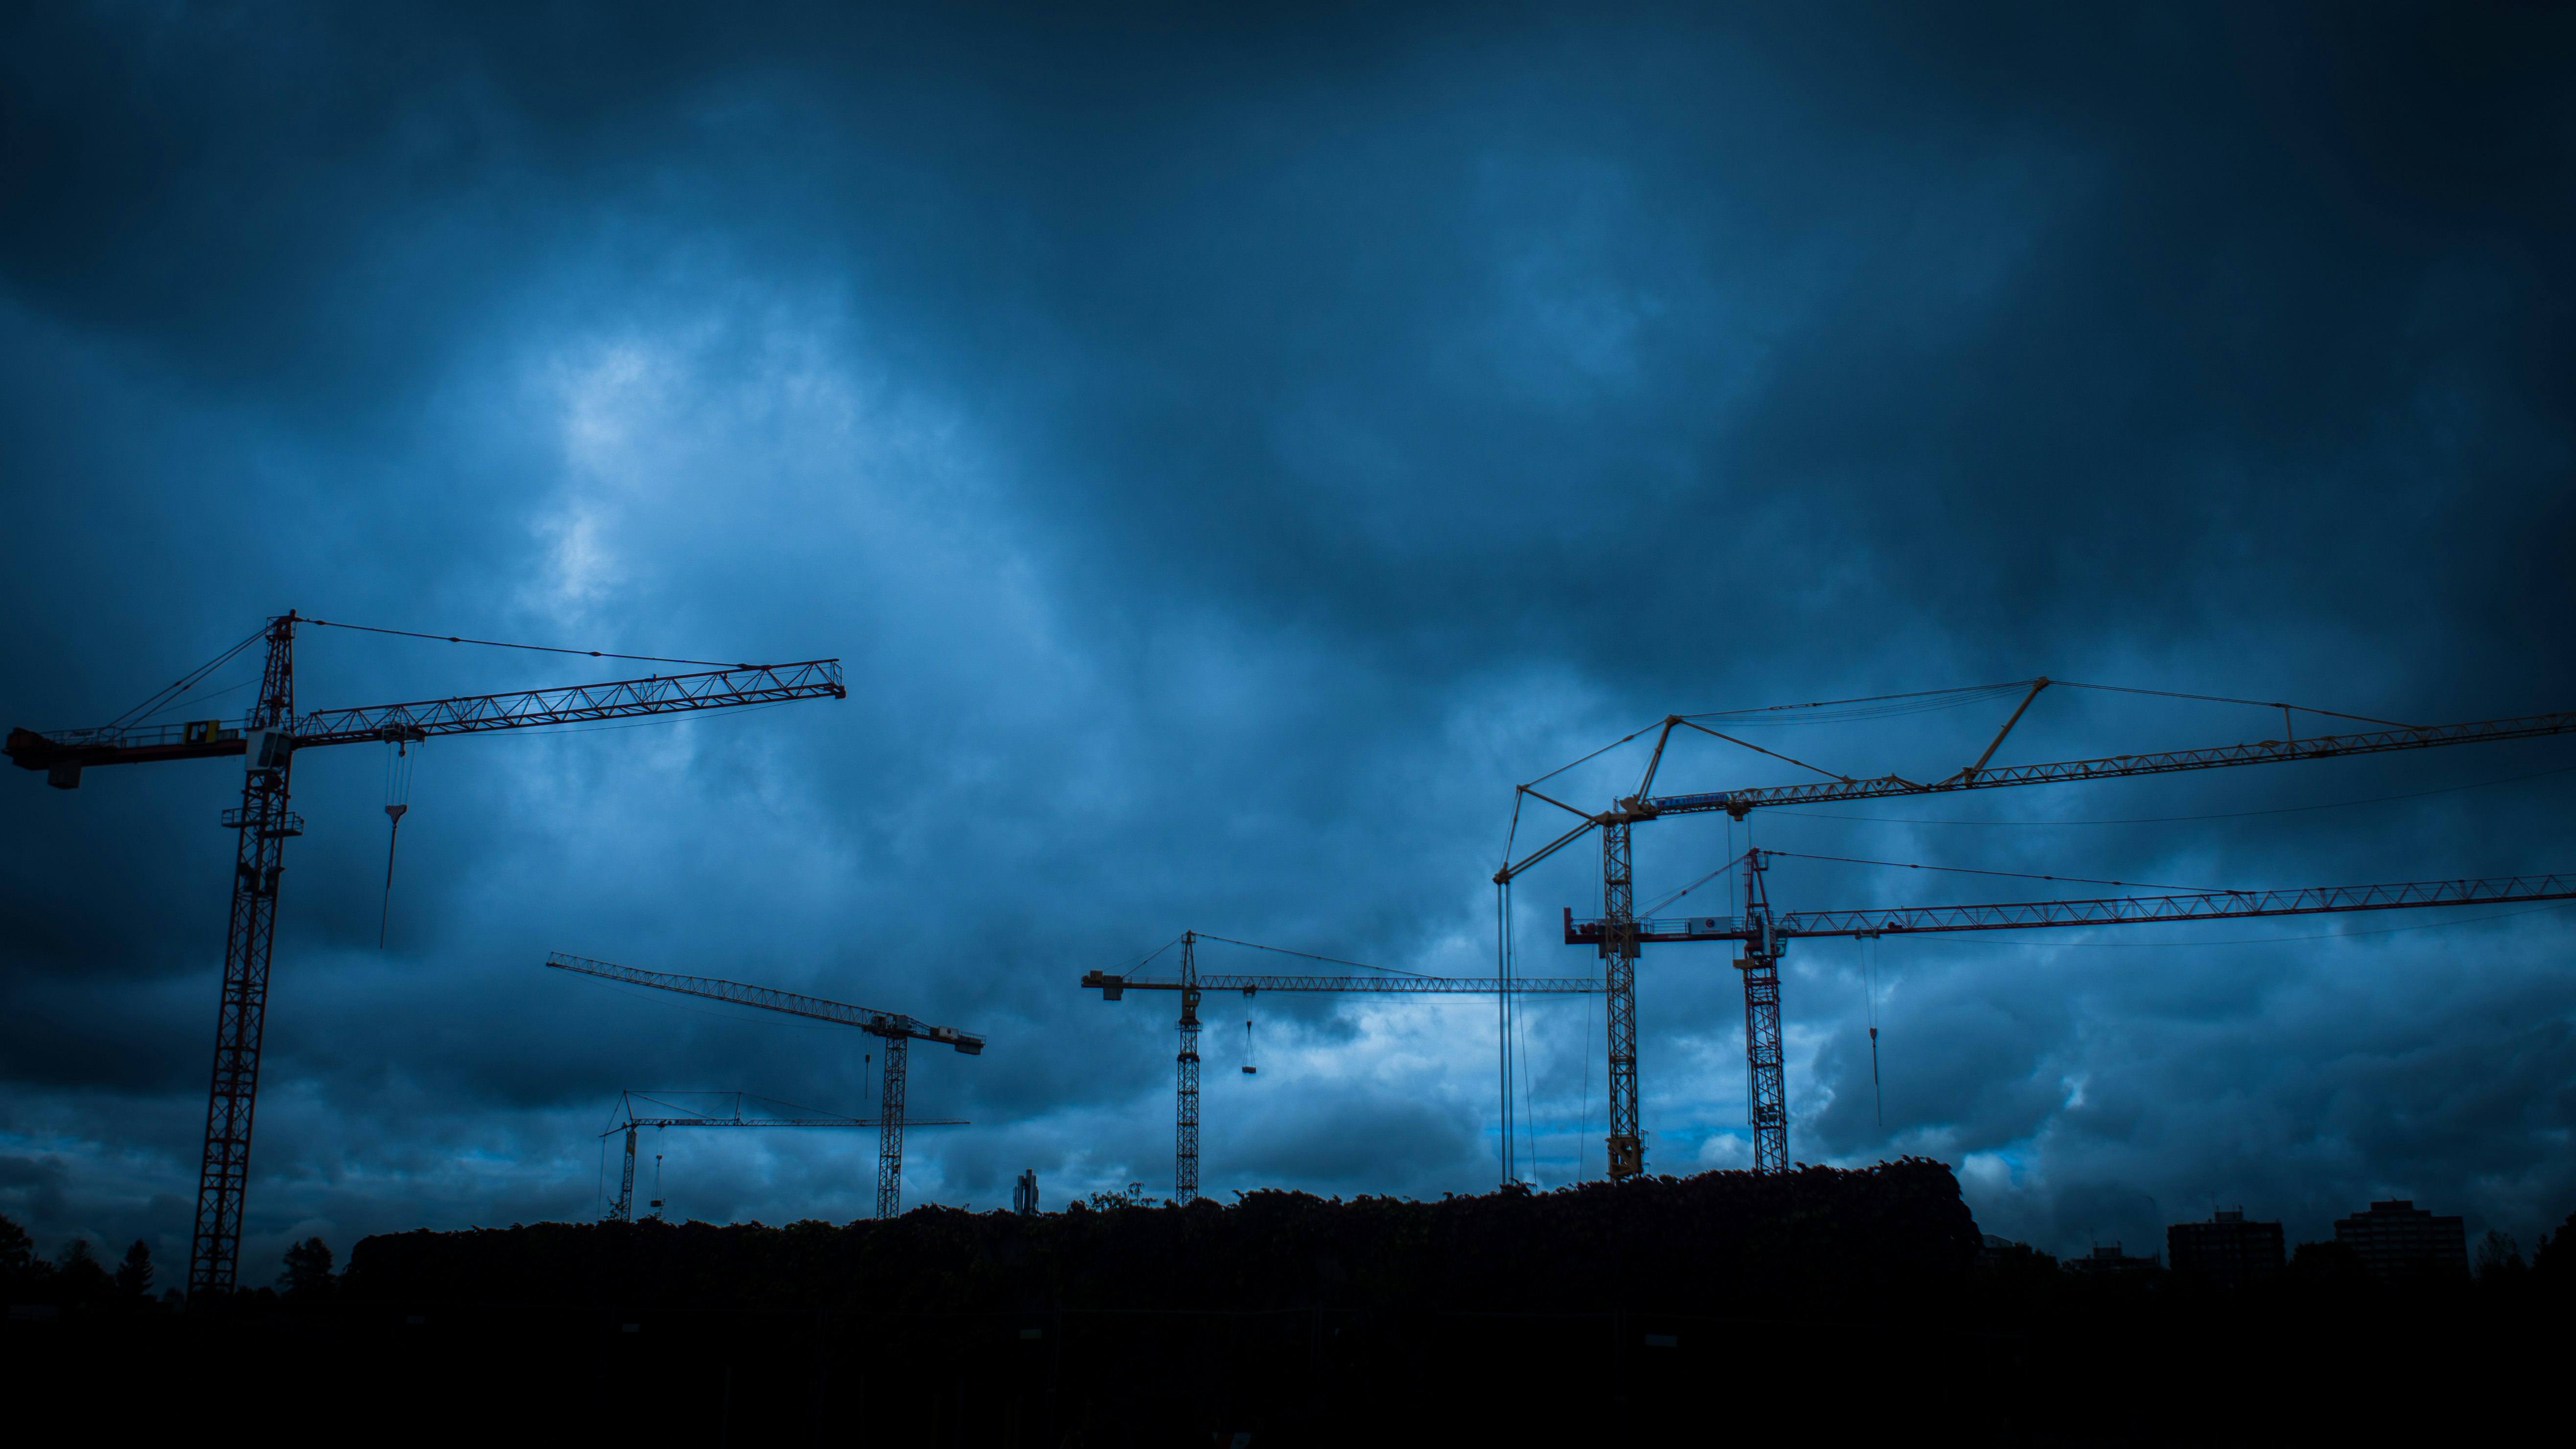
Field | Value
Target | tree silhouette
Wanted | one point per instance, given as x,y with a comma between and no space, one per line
18,1251
308,1270
2553,1258
77,1269
2500,1260
134,1275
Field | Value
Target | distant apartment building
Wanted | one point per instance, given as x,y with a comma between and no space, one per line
2107,1261
2396,1237
2227,1249
1995,1253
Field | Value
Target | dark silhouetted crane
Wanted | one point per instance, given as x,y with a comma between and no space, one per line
1618,940
623,1210
1765,936
1191,982
267,739
894,1028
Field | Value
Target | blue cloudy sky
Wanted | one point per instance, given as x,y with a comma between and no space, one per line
1228,453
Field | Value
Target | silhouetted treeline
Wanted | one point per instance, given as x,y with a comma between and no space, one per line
1820,1305
75,1277
75,1280
1808,1241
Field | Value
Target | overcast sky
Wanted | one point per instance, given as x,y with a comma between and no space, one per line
1228,454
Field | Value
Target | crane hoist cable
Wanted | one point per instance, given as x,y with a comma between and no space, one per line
1869,996
398,767
2013,874
1585,1097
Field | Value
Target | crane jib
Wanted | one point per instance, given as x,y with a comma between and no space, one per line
889,1024
2107,911
632,1123
428,718
1112,986
1738,802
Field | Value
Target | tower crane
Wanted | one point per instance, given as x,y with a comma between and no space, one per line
895,1029
1765,936
1191,982
1619,939
623,1211
267,739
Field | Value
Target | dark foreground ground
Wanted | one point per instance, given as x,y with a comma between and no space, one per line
1819,1307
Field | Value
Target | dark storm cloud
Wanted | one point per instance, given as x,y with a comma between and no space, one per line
1228,453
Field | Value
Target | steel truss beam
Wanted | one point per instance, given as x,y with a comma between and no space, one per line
1113,985
1626,1143
890,1124
1185,1105
262,825
1739,803
429,718
2108,911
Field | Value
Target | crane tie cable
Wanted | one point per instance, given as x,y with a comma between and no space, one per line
2225,699
540,648
1311,956
186,682
2170,819
2014,874
1695,885
1882,701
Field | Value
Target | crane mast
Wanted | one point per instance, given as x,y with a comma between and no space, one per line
262,825
1765,1066
1626,1143
266,739
891,1077
1185,1105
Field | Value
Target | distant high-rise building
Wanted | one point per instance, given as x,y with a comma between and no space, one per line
2397,1237
2226,1249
